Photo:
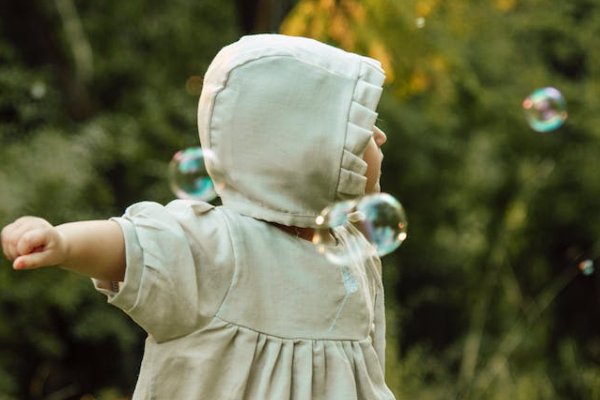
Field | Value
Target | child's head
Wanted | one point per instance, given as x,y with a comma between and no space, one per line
287,122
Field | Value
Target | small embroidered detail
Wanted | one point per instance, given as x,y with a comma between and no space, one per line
351,285
349,280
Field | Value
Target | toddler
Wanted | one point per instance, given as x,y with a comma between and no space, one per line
236,301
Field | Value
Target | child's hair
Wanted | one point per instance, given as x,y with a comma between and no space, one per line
285,121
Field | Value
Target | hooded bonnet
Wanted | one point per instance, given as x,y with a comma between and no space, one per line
284,122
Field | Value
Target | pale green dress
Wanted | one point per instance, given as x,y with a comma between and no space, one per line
236,308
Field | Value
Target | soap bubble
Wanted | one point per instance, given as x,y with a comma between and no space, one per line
383,222
331,220
545,109
188,177
38,90
586,267
373,224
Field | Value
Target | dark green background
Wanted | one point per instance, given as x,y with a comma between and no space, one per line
485,300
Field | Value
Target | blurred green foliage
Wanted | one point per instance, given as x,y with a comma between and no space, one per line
485,298
83,134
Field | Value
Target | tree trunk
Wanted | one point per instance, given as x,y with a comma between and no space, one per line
259,16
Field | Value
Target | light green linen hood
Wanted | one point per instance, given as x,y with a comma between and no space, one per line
284,122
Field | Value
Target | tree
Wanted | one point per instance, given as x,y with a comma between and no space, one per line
260,16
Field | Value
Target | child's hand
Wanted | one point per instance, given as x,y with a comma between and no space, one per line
32,242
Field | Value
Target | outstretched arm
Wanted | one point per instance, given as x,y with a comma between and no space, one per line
91,248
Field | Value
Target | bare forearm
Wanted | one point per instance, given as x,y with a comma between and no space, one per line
95,249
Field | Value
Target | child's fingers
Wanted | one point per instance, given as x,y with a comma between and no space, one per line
10,238
4,241
32,261
32,240
7,236
11,234
39,247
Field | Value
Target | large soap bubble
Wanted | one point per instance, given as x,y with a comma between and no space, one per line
372,224
188,177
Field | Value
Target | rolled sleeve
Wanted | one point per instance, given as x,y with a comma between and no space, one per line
160,290
124,294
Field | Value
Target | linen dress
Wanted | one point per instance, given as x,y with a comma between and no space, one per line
236,308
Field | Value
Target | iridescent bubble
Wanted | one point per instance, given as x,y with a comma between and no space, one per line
383,222
545,109
329,236
586,267
350,230
188,177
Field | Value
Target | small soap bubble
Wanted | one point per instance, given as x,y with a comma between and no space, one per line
545,109
586,267
188,177
38,90
373,224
